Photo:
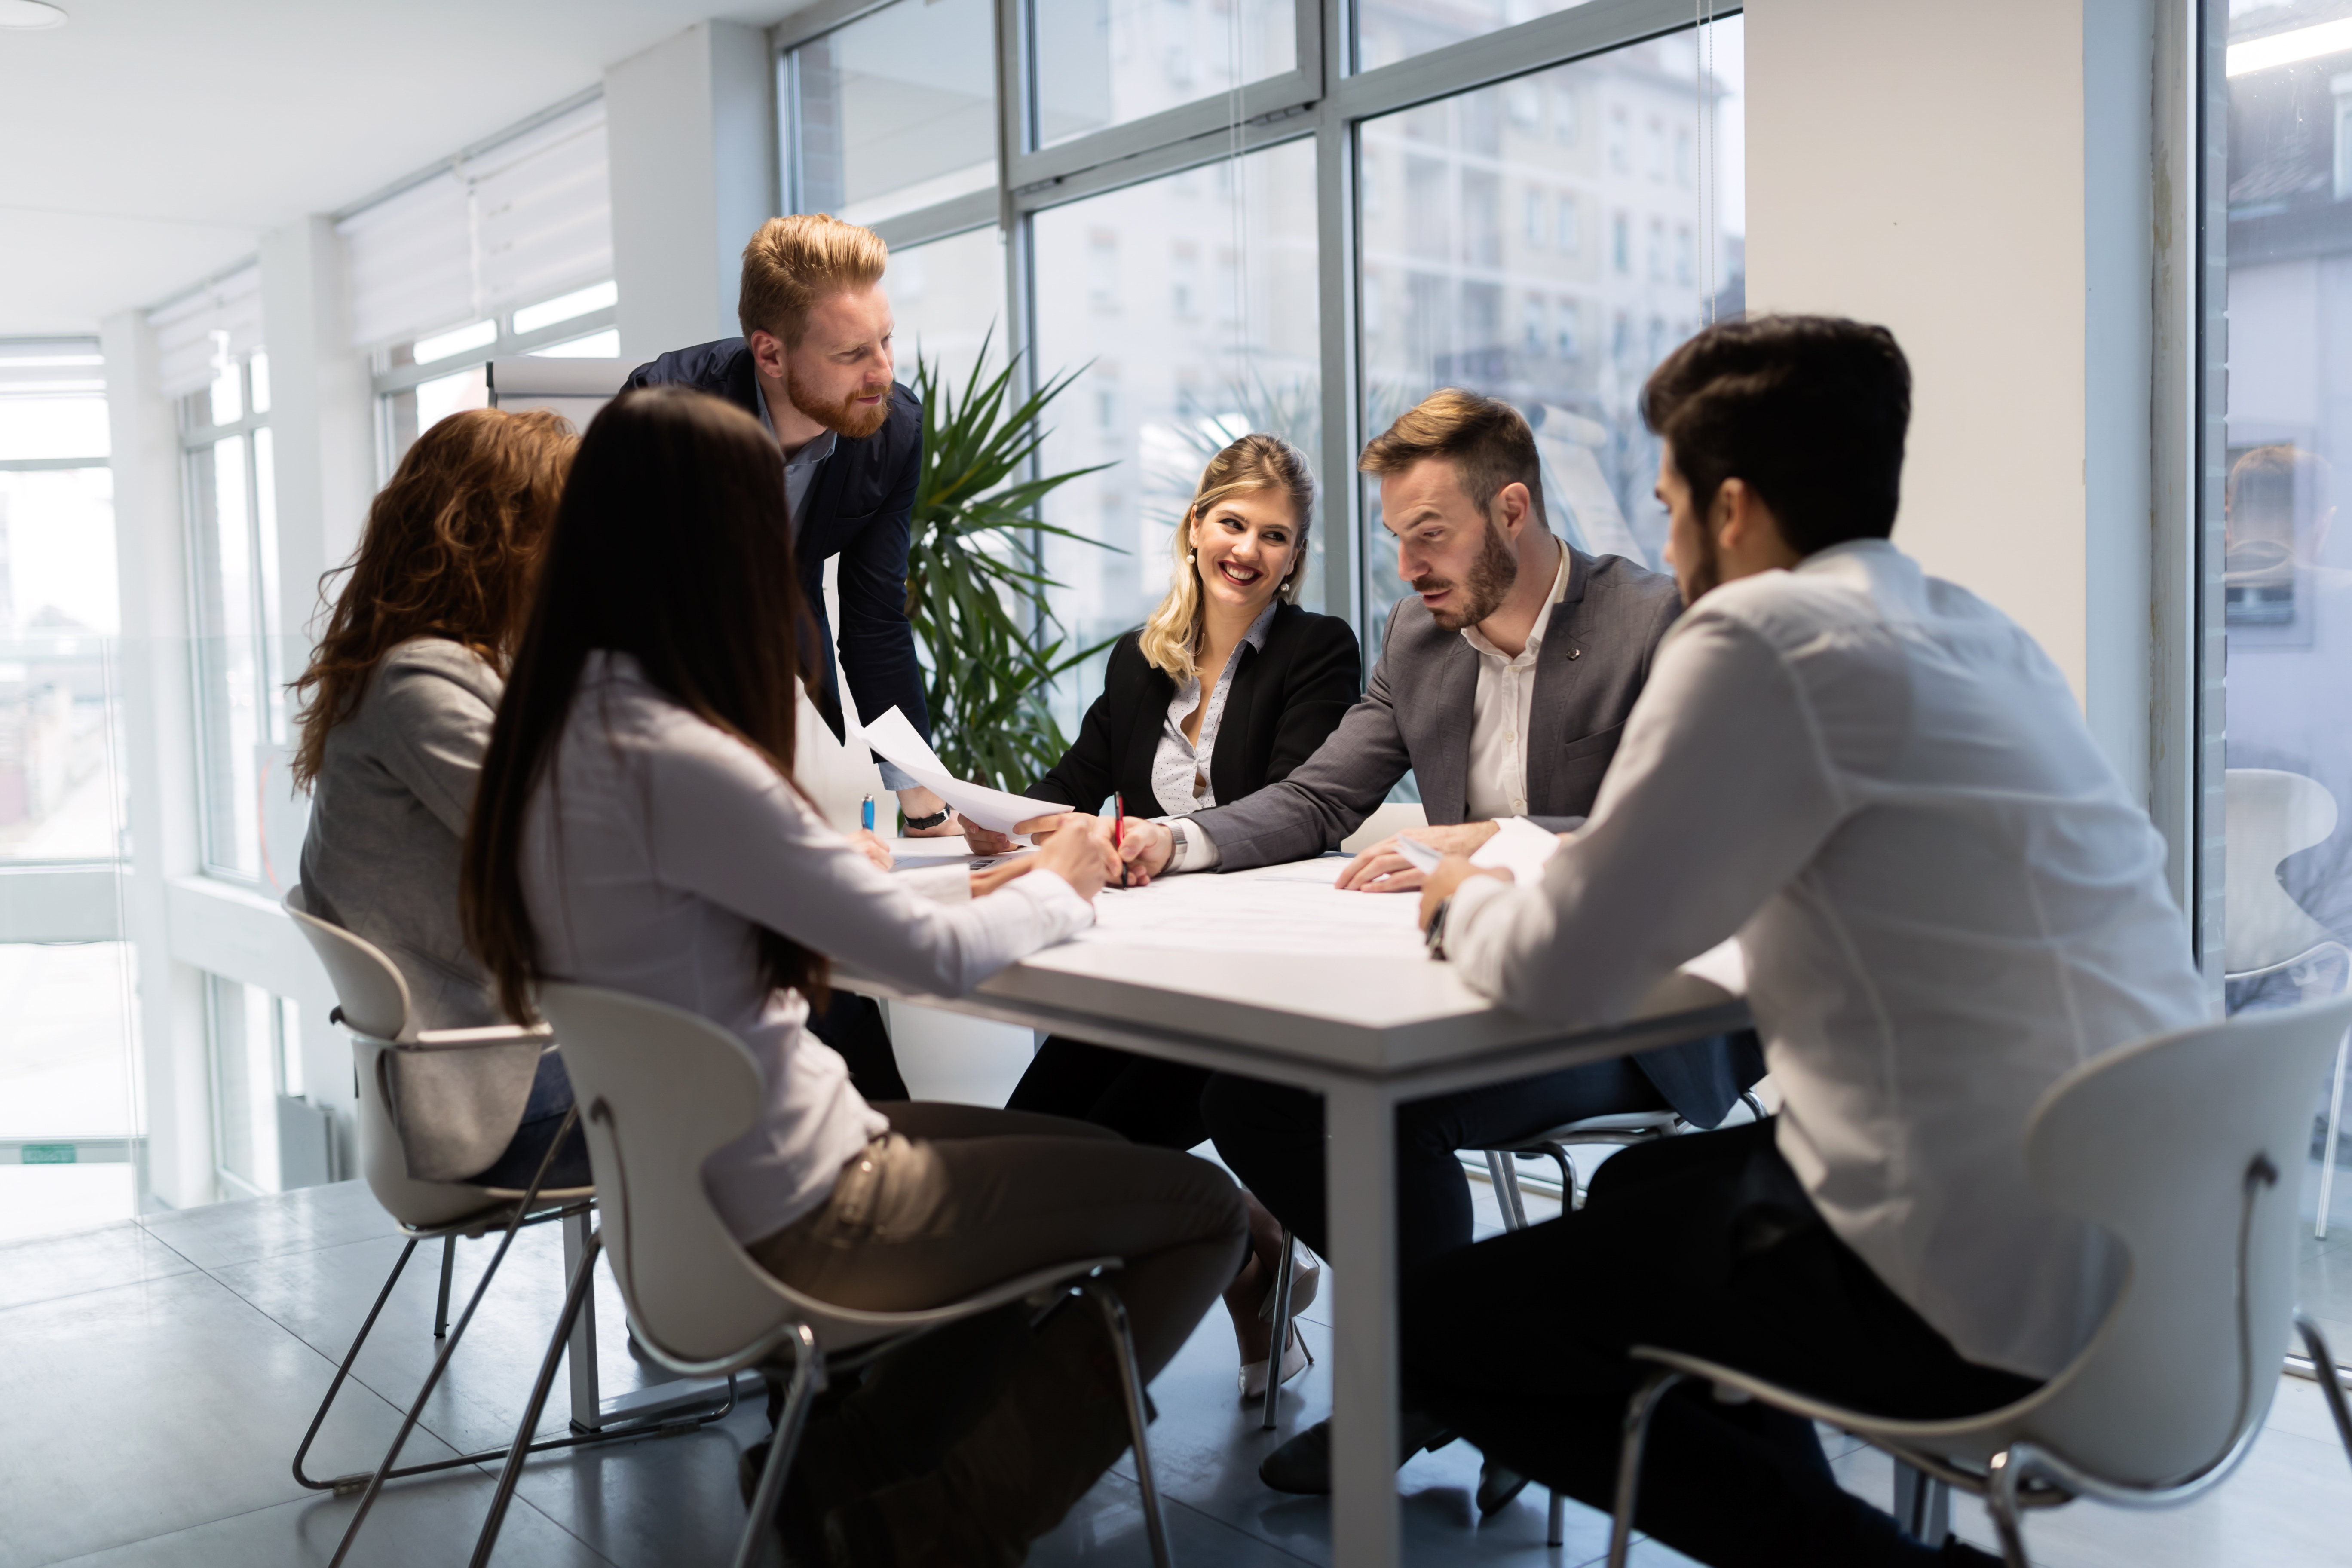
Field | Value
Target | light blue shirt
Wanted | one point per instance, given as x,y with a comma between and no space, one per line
800,472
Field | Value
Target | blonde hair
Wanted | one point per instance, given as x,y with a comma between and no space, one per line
1255,463
794,261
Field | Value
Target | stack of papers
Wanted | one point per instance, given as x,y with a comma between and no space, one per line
893,737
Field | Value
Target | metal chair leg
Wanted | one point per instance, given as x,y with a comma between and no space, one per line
1114,1313
1923,1505
1281,1331
1570,1198
2331,1384
350,1358
582,1280
441,1308
808,1382
1638,1411
2002,1502
2327,1152
1507,1190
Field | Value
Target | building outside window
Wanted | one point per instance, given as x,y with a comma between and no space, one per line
72,1119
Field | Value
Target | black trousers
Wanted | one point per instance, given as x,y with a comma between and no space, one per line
1141,1099
852,1024
1704,1244
1271,1138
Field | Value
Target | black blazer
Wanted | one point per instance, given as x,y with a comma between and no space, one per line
1284,700
860,506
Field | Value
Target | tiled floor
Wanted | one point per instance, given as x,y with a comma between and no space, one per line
157,1375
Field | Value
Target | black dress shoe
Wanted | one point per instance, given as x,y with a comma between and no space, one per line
1498,1487
1302,1466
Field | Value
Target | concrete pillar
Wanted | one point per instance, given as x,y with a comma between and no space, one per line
159,733
691,128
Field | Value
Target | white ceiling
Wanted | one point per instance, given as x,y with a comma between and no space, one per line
151,143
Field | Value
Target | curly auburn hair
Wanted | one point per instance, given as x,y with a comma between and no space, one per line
451,550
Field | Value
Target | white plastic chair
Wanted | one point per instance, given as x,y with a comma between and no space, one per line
2182,1148
663,1089
374,1006
2270,816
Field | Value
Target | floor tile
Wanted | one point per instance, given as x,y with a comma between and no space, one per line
418,1521
51,1266
1106,1527
155,1407
214,1234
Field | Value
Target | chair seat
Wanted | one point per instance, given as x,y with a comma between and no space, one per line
497,1202
1601,1129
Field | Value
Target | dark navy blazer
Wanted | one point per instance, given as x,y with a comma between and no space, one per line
860,508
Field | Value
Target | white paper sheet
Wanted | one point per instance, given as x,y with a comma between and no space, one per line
1519,846
893,737
1264,914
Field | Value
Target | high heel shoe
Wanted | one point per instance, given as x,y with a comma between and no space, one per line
1306,1278
1295,1358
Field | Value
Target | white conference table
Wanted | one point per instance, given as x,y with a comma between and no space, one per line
1274,974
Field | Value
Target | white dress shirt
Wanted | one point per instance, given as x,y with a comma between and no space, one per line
1498,775
1180,768
1947,897
662,847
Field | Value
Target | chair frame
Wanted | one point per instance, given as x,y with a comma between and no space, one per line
2023,1474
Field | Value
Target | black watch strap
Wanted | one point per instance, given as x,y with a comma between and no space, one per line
924,824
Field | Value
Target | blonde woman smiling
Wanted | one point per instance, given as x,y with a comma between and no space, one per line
1226,688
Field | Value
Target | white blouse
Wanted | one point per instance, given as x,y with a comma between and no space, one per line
1180,768
653,852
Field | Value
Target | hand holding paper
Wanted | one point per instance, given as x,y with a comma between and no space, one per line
893,737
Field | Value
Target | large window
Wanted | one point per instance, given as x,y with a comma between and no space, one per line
421,381
1104,63
70,1123
2284,439
1189,302
1507,248
892,112
232,507
266,1137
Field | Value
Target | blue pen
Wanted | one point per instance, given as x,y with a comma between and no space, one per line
866,813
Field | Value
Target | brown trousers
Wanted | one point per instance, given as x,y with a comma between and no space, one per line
955,1198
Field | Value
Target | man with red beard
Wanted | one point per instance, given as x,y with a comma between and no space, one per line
1504,681
815,366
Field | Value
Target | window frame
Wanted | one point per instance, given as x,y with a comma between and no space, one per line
1324,98
386,380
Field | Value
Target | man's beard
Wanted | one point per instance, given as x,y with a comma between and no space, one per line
1706,572
1491,580
845,418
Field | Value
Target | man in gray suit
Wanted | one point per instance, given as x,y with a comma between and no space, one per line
1503,684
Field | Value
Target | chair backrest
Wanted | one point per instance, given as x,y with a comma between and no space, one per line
2271,815
2189,1148
1385,822
369,987
660,1091
374,1002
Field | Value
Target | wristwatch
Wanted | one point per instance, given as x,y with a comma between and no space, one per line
925,824
1437,927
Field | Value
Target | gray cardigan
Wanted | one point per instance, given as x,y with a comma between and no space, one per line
388,822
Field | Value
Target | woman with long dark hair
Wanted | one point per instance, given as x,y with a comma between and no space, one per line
638,829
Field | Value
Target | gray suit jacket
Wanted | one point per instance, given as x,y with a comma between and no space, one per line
1417,714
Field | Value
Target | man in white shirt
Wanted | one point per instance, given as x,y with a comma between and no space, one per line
1948,900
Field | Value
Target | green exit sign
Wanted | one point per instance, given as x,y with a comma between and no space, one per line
48,1155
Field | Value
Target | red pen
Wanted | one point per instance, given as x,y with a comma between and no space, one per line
1118,834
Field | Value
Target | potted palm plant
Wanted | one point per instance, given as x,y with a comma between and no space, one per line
975,594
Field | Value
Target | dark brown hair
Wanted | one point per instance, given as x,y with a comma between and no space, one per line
1488,442
1808,411
673,546
449,550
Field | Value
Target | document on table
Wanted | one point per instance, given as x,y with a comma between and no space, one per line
893,737
1517,846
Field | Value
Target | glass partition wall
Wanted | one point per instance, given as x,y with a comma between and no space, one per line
2276,449
72,1120
1218,216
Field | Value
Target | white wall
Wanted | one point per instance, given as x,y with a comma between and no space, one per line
1976,176
690,126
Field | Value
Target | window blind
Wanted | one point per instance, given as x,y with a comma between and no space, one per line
201,331
529,217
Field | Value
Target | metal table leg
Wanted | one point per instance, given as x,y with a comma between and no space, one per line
587,1404
1361,1172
